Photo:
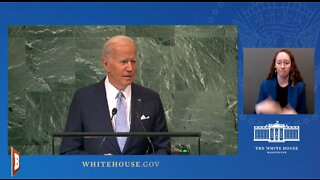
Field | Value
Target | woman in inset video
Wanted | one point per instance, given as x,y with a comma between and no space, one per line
283,92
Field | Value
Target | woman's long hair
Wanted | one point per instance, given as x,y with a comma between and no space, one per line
294,75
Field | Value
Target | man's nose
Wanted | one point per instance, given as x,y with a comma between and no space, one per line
129,66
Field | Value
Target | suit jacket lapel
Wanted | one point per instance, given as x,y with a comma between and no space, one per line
292,93
103,113
273,91
136,110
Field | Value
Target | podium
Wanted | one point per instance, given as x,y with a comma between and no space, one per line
126,134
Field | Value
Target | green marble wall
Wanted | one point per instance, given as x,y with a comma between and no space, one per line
194,68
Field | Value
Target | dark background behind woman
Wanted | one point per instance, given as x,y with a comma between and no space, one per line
256,68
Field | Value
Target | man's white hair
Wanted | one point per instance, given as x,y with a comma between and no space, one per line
109,44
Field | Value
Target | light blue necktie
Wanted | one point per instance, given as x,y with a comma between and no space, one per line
121,119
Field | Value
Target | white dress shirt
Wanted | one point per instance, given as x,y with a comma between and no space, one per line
111,94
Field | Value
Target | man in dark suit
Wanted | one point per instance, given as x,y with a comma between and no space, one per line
139,109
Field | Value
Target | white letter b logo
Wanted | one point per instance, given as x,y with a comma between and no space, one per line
16,161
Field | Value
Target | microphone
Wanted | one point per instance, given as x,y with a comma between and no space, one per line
114,112
144,129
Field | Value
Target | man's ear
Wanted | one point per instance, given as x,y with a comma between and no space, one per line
105,63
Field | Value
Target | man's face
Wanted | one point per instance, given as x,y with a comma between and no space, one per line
121,65
283,64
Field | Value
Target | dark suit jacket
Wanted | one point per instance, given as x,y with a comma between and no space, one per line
296,94
89,112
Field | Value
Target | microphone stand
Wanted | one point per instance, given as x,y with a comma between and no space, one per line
144,129
114,112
